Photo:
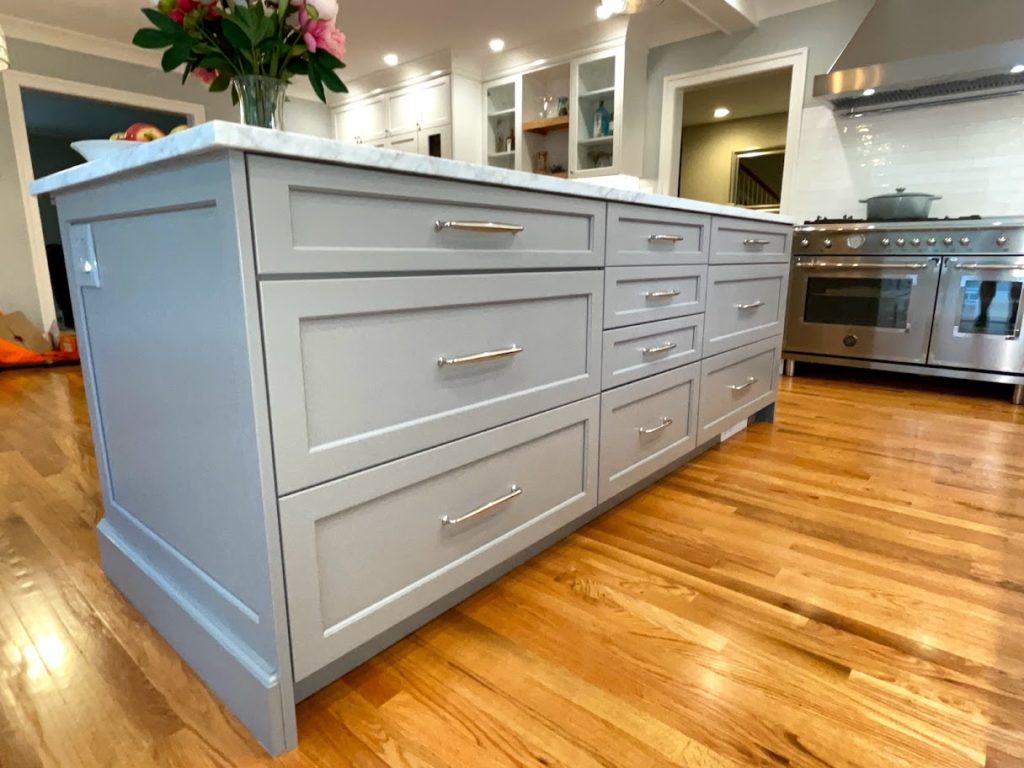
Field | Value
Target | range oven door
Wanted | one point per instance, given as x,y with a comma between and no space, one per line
870,307
979,314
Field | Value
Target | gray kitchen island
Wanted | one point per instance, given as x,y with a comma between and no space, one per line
336,389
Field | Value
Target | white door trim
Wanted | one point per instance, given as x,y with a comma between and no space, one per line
672,112
14,82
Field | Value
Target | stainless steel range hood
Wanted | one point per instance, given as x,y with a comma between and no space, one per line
915,52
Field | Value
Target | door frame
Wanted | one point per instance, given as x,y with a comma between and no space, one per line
670,155
14,82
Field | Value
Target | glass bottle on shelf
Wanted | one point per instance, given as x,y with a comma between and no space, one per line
602,121
510,140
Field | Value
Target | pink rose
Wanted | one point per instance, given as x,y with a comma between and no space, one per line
325,9
322,34
205,76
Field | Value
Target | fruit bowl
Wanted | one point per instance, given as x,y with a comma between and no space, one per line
97,149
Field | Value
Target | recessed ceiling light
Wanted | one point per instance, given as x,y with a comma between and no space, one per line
1017,69
721,112
609,8
375,91
497,45
604,12
437,72
868,92
539,62
391,59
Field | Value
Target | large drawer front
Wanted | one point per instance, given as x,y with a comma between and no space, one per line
312,218
642,294
649,236
339,597
638,351
735,241
737,384
745,304
355,371
647,425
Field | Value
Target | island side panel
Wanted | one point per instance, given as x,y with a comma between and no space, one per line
162,271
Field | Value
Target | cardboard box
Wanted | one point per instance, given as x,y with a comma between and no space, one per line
18,329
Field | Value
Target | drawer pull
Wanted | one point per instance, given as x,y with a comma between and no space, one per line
740,387
752,305
666,422
665,239
479,226
490,506
479,357
661,294
668,345
755,241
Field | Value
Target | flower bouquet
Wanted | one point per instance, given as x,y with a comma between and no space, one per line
254,48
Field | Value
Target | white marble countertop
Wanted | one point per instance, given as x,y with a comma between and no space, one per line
219,135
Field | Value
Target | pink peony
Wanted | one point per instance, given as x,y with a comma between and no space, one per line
205,76
322,34
325,9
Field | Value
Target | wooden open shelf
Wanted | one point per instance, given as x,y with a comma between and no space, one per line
546,124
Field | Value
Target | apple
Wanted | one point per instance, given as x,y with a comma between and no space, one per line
143,132
179,128
119,136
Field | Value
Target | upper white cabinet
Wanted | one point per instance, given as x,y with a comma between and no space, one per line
502,123
596,104
363,122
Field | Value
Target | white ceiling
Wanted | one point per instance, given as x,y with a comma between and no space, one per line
416,29
762,94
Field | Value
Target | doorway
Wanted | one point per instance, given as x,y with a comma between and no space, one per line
729,134
92,102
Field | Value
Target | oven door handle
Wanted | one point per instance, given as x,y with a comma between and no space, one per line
858,265
979,267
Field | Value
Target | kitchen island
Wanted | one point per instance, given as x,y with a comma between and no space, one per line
334,390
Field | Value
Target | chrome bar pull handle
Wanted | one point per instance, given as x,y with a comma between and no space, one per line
978,267
665,239
490,506
752,305
666,347
740,387
480,357
666,422
661,294
755,241
841,266
479,226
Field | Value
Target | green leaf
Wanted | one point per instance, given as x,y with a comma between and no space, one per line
152,38
214,62
175,56
318,86
236,35
328,77
221,83
329,61
163,22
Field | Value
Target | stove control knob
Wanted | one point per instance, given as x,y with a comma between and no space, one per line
827,242
931,241
947,241
886,241
916,241
965,241
1001,240
900,241
805,243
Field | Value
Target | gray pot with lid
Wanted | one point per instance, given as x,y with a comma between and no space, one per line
900,205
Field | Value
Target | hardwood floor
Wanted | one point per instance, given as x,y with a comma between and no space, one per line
842,588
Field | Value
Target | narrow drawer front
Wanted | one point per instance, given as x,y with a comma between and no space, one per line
745,304
638,351
313,218
647,425
364,371
364,553
649,236
737,384
642,294
734,241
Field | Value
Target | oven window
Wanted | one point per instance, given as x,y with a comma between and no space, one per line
990,307
875,302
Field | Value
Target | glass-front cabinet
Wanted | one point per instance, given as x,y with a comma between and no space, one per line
597,107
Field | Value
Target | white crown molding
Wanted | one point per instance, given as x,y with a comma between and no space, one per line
57,37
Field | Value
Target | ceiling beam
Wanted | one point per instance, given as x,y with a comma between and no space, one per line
728,15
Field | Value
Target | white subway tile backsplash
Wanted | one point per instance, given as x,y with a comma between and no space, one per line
970,153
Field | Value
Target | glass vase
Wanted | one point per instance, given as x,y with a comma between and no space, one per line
261,100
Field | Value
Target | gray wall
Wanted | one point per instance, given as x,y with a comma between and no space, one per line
824,30
49,155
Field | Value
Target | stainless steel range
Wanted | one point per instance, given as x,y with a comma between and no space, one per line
941,297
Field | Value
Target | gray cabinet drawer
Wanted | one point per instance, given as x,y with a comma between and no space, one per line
312,218
638,351
737,384
735,241
745,304
646,426
642,294
641,235
354,366
363,553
